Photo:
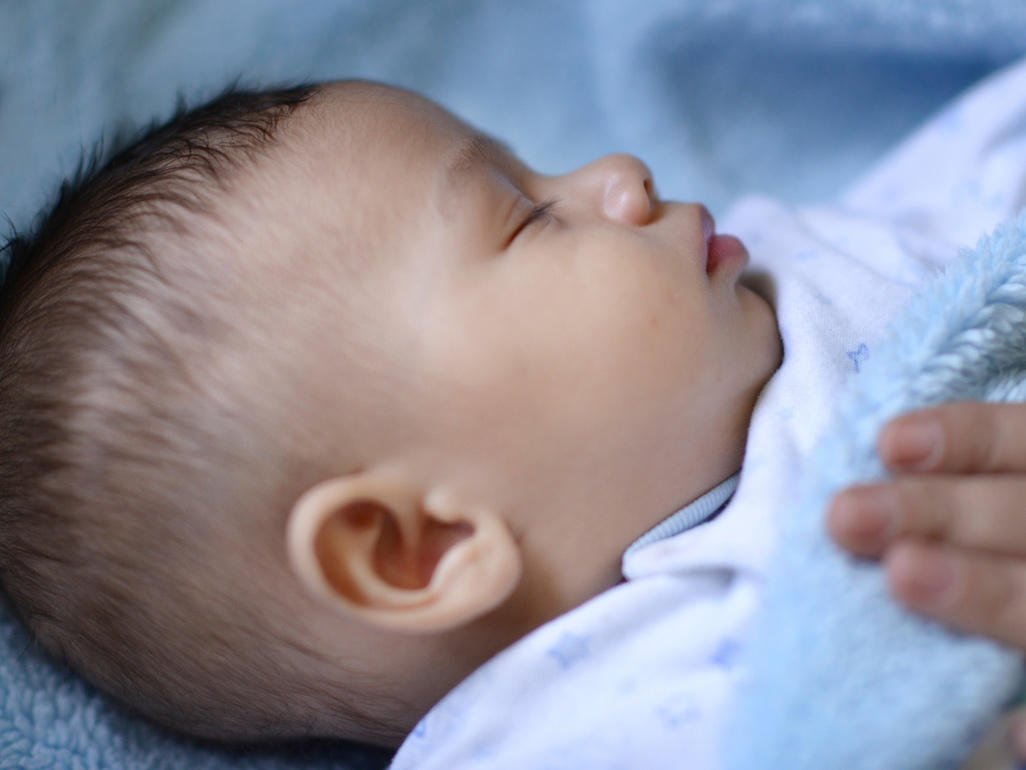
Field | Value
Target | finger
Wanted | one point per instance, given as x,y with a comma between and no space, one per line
1017,733
975,593
962,437
980,512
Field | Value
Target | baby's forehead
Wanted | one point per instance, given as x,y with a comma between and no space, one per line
355,177
372,149
376,118
386,123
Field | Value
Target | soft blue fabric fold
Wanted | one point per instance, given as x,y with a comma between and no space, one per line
792,98
841,676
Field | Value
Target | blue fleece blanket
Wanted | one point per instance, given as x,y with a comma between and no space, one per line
788,97
841,675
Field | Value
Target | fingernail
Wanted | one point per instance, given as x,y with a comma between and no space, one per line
912,442
929,574
867,514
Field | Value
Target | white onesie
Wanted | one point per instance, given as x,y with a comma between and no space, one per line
640,676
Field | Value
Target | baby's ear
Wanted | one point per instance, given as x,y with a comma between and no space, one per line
398,557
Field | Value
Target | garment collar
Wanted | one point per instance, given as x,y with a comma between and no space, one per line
694,513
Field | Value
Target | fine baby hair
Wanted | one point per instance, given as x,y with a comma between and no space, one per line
131,444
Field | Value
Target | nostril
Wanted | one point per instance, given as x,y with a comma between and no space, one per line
650,189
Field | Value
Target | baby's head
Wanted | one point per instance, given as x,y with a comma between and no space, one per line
315,400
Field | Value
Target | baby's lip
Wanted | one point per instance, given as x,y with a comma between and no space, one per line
719,250
708,231
708,223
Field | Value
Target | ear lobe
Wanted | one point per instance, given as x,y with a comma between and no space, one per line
381,551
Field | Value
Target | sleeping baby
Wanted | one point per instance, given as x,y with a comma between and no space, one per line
326,416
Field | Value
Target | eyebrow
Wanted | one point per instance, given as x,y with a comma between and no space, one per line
478,149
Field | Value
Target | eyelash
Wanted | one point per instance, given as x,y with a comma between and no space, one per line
537,213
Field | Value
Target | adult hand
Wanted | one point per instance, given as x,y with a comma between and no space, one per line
950,526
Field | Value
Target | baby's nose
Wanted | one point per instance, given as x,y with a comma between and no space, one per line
627,190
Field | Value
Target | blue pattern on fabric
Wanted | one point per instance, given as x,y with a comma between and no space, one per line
571,648
858,356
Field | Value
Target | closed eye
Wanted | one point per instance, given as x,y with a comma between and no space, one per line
537,213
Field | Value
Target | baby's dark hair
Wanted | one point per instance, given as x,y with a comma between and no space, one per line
136,439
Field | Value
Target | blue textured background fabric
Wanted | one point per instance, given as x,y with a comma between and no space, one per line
787,97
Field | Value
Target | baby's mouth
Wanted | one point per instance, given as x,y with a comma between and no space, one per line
723,250
720,250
